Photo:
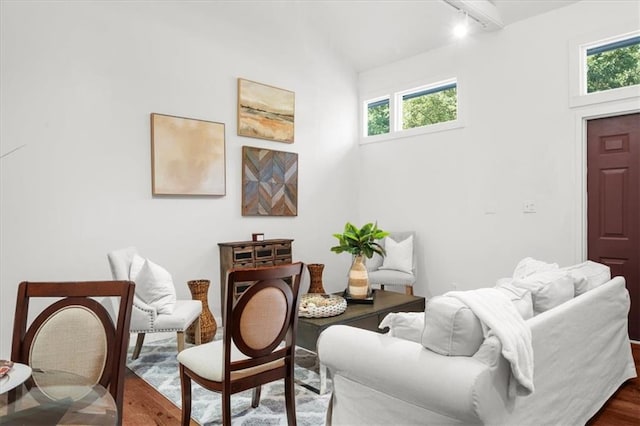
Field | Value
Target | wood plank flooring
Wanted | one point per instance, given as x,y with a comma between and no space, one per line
143,405
623,409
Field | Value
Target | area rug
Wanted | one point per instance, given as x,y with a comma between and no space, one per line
157,365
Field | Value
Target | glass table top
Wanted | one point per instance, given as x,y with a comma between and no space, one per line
56,397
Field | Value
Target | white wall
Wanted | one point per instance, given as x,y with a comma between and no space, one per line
519,143
79,81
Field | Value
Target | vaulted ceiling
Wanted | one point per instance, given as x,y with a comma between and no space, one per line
370,33
375,32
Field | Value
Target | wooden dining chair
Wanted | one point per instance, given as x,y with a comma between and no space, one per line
75,333
258,344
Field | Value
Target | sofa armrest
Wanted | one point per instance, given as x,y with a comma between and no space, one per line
458,387
490,351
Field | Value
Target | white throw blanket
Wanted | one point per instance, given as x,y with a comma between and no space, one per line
499,317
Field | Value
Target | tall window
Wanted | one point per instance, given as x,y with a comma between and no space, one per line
613,65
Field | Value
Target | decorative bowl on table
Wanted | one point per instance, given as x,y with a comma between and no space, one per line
318,305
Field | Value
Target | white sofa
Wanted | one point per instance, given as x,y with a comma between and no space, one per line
581,356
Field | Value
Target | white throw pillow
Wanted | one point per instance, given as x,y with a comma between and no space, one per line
548,289
529,266
404,325
399,255
154,284
520,297
588,275
451,328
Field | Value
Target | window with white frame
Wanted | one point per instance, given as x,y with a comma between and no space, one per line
403,112
378,117
429,105
613,65
604,65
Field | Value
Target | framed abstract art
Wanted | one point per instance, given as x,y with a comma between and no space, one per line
265,112
187,156
269,182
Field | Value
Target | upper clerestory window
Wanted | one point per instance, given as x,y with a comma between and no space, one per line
378,117
429,106
613,65
422,109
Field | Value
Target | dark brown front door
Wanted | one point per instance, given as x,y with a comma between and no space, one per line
613,200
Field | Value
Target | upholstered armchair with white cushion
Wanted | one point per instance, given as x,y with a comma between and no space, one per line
155,308
399,266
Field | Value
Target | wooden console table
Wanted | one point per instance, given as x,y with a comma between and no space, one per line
251,254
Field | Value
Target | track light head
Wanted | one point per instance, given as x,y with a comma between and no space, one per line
462,28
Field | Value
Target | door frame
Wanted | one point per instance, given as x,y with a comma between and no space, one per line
603,110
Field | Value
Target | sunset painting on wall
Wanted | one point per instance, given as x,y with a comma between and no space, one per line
265,112
187,156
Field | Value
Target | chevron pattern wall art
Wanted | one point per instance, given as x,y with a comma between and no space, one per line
269,182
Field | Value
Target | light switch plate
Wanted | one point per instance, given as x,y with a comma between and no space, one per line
529,207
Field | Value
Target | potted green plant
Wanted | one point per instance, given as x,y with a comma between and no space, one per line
359,242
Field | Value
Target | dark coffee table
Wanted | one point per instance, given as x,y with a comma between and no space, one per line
366,316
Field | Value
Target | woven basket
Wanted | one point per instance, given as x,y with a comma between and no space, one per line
321,305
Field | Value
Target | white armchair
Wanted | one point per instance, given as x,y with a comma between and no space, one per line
399,267
144,317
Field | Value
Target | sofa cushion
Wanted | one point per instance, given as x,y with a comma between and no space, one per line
529,266
520,297
548,289
154,284
450,328
588,275
404,325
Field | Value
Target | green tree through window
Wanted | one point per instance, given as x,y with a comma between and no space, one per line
610,66
378,117
417,107
430,107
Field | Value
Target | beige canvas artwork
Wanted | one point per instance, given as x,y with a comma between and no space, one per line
265,112
187,156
